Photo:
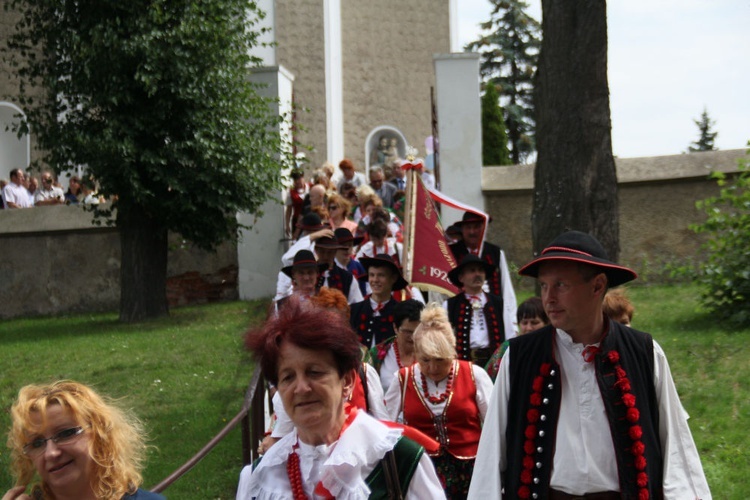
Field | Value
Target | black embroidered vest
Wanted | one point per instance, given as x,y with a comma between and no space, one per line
534,405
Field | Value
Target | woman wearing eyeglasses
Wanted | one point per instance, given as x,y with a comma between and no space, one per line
338,210
69,443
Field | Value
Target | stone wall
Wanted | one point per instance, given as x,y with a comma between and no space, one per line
53,261
657,206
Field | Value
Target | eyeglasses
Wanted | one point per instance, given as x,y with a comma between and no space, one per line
64,437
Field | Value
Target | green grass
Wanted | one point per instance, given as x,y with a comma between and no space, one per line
186,375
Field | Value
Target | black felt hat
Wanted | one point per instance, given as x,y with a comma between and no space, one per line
454,273
385,260
344,236
471,217
577,246
311,222
304,259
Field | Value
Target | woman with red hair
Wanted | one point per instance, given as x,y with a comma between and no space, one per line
311,356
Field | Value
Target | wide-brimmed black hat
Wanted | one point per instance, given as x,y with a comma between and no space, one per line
577,246
311,222
344,236
471,217
385,260
454,273
328,242
303,259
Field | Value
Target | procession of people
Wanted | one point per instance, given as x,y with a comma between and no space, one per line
379,395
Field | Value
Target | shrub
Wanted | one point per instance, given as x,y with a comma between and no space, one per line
725,275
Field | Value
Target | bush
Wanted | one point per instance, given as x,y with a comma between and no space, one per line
725,275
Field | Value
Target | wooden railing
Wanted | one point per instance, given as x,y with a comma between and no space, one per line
250,417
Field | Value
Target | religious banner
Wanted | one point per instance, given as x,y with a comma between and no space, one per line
427,258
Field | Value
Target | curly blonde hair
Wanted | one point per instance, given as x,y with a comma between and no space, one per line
434,336
116,445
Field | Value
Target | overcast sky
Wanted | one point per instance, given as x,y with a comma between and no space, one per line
668,59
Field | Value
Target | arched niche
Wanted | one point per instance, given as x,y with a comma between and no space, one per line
14,152
381,145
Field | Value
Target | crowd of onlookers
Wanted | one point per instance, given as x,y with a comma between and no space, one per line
25,191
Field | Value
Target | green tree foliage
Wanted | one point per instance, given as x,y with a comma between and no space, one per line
494,136
726,272
509,58
153,99
706,140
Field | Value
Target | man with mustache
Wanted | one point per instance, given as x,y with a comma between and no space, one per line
476,316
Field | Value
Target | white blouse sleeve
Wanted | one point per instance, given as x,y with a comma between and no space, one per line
393,399
683,474
490,462
484,389
375,397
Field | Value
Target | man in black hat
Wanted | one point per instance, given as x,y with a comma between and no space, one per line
472,227
585,407
335,276
345,257
372,318
476,316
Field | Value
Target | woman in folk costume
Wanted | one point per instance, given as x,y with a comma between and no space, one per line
335,450
443,397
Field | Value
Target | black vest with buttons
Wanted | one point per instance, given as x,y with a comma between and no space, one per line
460,315
530,436
366,325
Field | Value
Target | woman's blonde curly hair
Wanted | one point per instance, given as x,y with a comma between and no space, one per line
434,336
116,437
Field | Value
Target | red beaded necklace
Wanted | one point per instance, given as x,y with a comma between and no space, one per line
295,475
398,355
444,395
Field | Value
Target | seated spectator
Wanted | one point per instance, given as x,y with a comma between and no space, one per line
48,194
74,191
32,186
89,195
3,183
69,442
15,194
617,306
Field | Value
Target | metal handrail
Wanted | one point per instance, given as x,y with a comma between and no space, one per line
252,431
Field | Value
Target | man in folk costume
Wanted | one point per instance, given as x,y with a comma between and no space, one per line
335,276
476,316
472,226
372,319
585,407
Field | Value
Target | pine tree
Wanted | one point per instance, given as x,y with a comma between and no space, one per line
509,58
706,140
494,136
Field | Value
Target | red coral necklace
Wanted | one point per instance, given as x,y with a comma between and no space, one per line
436,400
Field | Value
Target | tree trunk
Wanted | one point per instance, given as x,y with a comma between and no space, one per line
143,268
575,182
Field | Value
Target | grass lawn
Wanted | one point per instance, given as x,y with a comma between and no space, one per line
186,375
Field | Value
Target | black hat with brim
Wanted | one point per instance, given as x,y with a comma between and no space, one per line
468,259
344,236
304,259
385,260
469,217
576,246
311,222
329,243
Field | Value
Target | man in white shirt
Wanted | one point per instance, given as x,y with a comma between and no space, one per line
48,194
585,406
15,195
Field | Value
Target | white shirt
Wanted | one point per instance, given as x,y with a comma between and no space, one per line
584,460
13,193
393,397
53,193
342,467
